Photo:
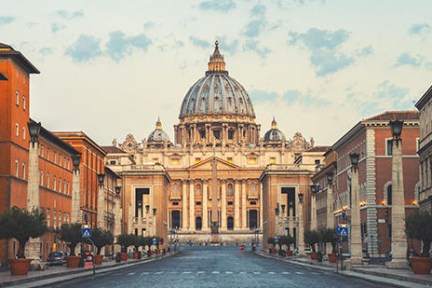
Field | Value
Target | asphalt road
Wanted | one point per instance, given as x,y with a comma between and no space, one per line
218,267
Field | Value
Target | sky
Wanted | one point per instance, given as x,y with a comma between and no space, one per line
110,68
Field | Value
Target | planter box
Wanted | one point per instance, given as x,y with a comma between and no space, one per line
289,253
421,265
98,259
123,256
19,266
332,257
73,261
313,255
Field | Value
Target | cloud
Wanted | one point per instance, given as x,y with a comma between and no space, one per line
46,51
258,10
253,45
419,29
303,99
229,46
55,27
70,15
366,51
387,90
217,5
324,45
6,20
408,59
199,42
84,49
259,96
254,28
149,25
119,45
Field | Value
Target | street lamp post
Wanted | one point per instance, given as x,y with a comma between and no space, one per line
101,201
356,244
398,237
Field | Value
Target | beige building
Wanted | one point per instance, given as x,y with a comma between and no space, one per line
214,177
424,105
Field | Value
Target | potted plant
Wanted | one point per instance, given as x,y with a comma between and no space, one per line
328,235
312,237
287,240
101,239
270,241
71,234
419,226
148,240
22,225
125,240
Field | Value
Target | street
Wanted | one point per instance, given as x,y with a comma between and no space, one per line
218,267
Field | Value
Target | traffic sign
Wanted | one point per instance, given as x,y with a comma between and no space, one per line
154,241
86,232
342,231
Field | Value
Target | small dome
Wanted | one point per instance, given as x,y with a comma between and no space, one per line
274,134
158,135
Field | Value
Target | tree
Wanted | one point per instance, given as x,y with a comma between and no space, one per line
125,240
311,237
328,235
419,226
71,234
287,240
22,225
101,238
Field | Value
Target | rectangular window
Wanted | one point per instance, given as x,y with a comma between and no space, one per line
230,203
230,159
17,98
23,173
16,168
272,160
17,129
41,178
112,162
24,103
24,133
175,203
252,160
175,161
389,147
198,203
197,160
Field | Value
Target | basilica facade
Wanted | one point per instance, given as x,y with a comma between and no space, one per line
218,180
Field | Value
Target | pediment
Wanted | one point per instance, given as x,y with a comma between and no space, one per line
206,164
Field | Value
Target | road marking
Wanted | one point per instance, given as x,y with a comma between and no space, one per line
256,273
160,272
131,273
173,272
200,272
215,272
316,273
271,273
145,273
286,273
228,272
243,272
300,273
187,272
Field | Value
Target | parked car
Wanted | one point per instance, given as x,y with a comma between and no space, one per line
56,258
242,246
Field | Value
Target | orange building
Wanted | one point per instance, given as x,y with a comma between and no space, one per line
92,164
35,171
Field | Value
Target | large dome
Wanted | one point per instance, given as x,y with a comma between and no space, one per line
216,93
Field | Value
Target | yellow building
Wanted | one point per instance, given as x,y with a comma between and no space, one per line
208,179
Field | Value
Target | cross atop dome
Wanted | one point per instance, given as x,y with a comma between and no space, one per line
217,62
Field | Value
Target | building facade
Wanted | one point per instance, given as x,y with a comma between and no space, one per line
205,186
424,105
372,140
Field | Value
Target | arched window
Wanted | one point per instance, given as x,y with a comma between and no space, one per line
252,189
253,219
230,223
198,223
175,190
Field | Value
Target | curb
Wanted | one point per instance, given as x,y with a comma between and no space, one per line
63,276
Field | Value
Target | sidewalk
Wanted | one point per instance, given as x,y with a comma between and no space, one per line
375,273
58,274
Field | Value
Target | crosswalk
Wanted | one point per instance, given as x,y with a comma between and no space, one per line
223,273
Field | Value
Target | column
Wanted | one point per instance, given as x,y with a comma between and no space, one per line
32,250
204,206
261,206
101,206
185,207
191,206
356,244
300,230
76,196
399,244
330,216
237,205
244,218
223,206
